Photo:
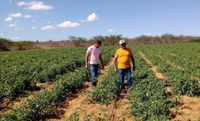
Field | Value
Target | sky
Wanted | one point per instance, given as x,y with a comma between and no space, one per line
45,20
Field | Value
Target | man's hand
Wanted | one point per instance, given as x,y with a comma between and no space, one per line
102,67
133,68
115,69
86,66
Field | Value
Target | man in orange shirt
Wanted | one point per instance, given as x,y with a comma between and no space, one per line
122,64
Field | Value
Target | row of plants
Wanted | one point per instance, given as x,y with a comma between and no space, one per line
184,55
180,80
108,89
45,101
42,103
20,71
148,97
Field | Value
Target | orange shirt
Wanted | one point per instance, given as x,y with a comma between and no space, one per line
123,57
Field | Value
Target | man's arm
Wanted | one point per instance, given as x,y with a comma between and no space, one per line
86,60
115,61
133,62
100,57
115,64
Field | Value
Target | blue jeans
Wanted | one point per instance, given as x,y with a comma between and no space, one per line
125,73
94,69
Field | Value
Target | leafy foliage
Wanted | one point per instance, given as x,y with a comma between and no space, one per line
47,99
180,63
21,70
148,96
108,90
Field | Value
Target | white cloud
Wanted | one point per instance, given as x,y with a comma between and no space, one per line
92,17
16,15
12,25
34,5
33,27
19,15
21,3
1,34
48,27
8,19
68,24
110,30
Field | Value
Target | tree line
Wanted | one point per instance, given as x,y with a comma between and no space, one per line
73,41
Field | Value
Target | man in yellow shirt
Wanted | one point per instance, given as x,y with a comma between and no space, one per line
122,64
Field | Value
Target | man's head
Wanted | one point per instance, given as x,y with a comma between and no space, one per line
98,44
122,43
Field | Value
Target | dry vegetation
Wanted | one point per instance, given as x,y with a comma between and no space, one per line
9,45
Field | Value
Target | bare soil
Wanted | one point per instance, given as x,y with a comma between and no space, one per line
153,68
81,106
189,110
156,72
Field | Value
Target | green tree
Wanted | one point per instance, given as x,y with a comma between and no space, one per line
4,44
77,41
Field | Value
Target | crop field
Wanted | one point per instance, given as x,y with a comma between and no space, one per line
166,85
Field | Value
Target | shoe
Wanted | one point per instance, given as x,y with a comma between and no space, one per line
123,90
93,86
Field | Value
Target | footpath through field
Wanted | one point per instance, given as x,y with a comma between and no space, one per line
155,70
80,107
188,108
